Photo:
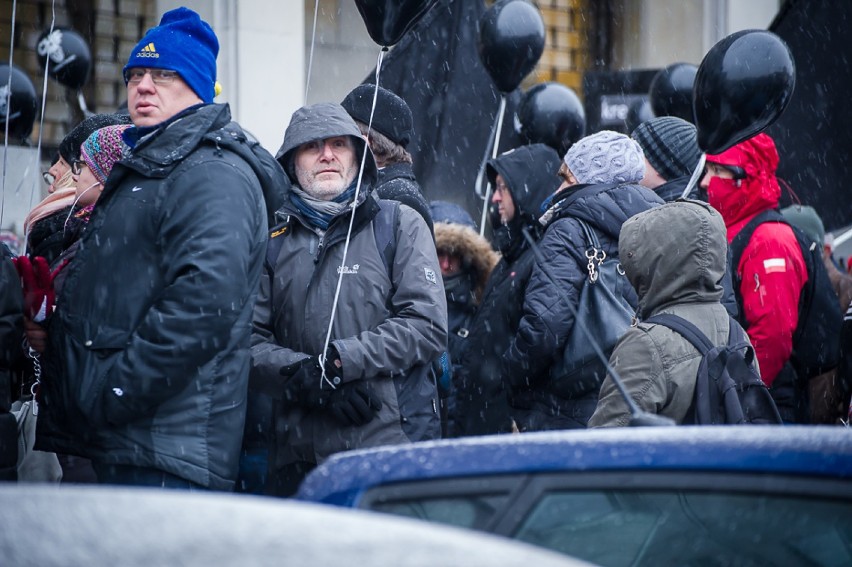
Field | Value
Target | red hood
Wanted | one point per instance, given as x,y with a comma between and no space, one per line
759,190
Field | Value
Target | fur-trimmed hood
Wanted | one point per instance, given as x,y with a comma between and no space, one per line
476,252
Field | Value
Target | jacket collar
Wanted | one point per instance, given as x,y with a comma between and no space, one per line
172,141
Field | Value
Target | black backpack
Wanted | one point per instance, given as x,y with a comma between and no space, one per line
816,344
728,389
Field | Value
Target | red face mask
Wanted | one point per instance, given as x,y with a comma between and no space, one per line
727,196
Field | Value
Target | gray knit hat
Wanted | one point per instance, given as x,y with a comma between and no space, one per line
670,144
606,157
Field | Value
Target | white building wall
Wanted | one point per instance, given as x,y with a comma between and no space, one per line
261,60
657,33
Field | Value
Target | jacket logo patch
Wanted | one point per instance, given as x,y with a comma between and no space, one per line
430,276
279,232
347,270
773,265
148,51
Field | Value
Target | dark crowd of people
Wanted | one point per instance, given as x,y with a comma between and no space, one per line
199,314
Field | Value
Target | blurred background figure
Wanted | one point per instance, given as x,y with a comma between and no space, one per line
466,260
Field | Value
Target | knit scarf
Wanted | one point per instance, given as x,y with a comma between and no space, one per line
319,213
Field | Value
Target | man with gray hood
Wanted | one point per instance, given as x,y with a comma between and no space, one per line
370,383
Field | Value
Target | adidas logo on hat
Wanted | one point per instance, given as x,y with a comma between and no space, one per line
148,51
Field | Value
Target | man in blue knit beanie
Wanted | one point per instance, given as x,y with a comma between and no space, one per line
152,329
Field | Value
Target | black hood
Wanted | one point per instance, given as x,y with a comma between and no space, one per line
318,122
530,173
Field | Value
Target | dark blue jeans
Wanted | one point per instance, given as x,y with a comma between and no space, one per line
127,475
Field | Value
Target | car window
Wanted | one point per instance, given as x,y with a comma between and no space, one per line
467,503
635,527
645,517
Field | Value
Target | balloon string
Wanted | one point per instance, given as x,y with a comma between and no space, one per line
495,148
43,101
8,102
341,270
311,56
696,175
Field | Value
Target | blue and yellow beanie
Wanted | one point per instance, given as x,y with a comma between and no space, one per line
185,43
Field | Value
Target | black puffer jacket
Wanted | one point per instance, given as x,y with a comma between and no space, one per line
11,329
548,319
481,404
151,335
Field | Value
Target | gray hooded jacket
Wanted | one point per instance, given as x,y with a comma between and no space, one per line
387,329
674,256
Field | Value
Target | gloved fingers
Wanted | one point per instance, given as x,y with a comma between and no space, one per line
348,412
58,269
290,369
33,294
25,271
373,401
41,272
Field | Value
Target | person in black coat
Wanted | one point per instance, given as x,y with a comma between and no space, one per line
601,175
523,178
11,329
391,131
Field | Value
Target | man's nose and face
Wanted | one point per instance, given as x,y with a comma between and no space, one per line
325,168
503,199
155,95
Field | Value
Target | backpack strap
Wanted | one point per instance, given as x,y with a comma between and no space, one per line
738,245
685,329
385,225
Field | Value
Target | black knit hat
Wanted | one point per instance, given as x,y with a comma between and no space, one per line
391,118
69,147
670,145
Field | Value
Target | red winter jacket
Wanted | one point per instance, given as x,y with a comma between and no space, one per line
771,269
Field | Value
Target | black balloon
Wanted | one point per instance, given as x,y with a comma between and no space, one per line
743,85
552,114
639,112
70,60
511,41
671,91
388,20
19,102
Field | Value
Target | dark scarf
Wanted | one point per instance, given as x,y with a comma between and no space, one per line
316,218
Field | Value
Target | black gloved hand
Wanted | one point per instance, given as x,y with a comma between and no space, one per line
304,385
332,370
353,403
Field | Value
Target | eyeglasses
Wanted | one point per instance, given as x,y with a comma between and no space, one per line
48,177
77,166
135,75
